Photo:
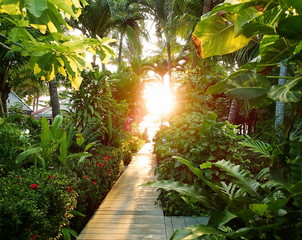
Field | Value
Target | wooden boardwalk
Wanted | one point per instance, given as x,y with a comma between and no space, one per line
128,212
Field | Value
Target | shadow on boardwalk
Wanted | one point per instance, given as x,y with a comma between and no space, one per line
128,211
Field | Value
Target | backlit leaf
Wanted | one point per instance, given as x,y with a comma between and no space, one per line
36,7
215,35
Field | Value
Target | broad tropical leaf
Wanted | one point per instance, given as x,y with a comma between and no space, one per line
195,232
22,156
45,133
36,7
215,35
289,92
290,28
220,218
241,176
196,193
273,49
263,24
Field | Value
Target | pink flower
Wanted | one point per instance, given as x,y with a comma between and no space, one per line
34,186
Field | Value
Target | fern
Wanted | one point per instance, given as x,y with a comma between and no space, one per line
257,146
241,177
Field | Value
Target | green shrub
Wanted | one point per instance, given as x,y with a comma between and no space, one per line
96,177
35,204
15,140
199,138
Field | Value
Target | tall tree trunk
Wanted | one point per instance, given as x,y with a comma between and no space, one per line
37,101
54,97
4,92
169,63
233,112
120,50
279,112
207,6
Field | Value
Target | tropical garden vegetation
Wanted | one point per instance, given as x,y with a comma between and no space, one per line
230,150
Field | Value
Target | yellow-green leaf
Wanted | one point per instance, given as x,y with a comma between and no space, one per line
215,35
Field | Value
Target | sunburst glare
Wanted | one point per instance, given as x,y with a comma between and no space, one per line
159,99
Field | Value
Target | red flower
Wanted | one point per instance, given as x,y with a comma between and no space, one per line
85,176
102,164
34,186
107,158
69,189
33,237
93,183
51,177
109,172
97,164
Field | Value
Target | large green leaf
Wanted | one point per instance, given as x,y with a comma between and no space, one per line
290,28
216,35
263,24
196,193
220,218
45,133
63,148
241,177
219,87
198,172
248,86
22,156
273,49
289,92
36,7
195,232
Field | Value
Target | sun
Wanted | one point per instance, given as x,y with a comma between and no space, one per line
159,99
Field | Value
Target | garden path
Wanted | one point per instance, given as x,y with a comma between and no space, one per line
128,211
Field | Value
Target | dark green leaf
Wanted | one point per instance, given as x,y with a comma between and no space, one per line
290,28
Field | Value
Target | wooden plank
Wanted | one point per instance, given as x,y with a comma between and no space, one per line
178,222
203,220
168,227
125,224
129,210
189,221
107,236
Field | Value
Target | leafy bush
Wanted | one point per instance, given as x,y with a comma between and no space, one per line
15,140
35,204
199,138
96,177
243,206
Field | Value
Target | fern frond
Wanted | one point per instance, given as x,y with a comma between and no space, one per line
257,146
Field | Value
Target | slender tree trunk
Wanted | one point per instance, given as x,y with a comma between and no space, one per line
207,6
54,97
169,64
37,101
119,60
34,104
279,112
4,92
233,112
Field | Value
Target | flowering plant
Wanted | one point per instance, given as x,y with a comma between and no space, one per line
35,204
